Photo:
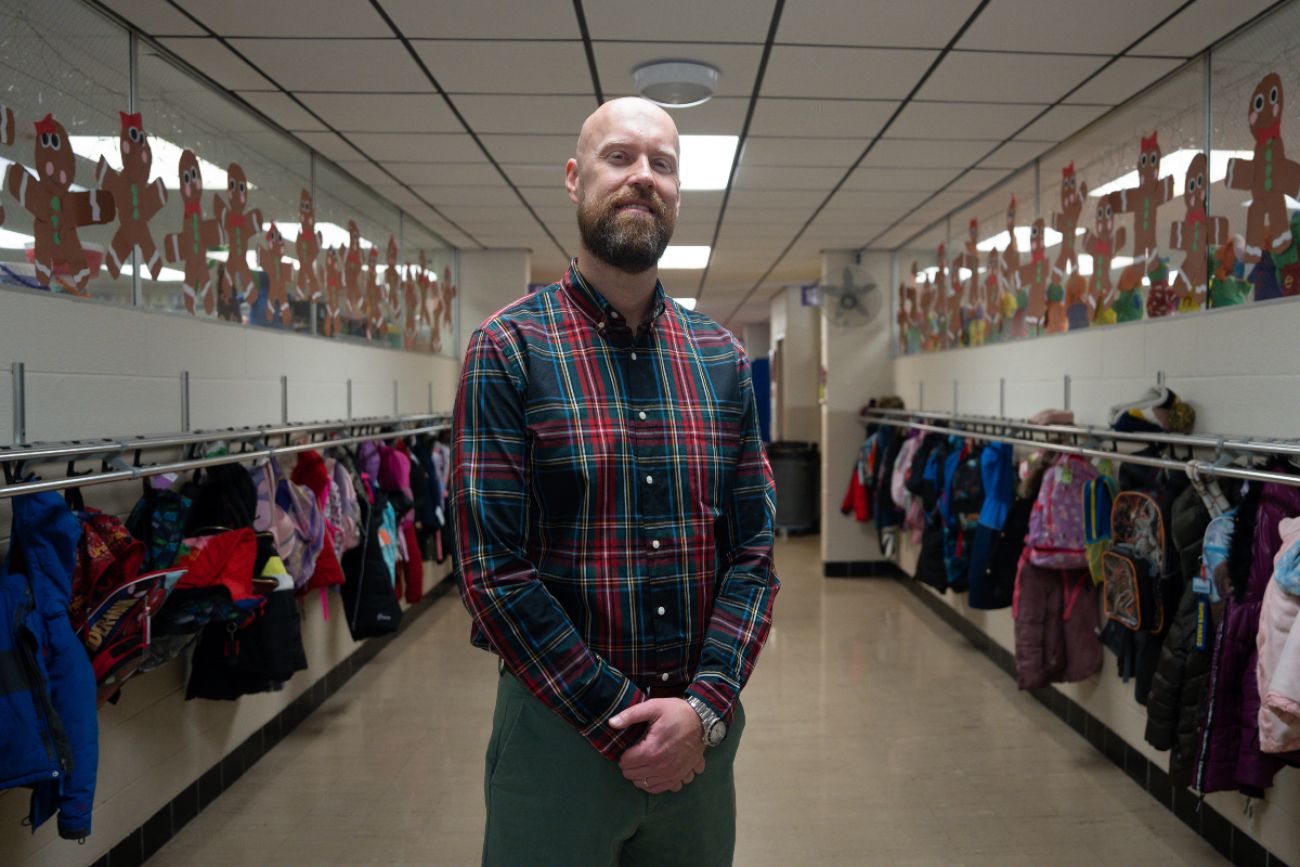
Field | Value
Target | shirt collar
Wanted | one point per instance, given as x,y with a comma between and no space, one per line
596,308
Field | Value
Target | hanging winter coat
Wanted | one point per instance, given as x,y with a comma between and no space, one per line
1229,754
50,739
1055,613
368,601
997,541
1278,671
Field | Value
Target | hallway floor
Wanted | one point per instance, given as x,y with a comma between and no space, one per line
876,735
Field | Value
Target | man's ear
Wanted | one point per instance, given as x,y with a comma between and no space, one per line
571,180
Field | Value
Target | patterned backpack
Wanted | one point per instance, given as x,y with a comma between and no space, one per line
1098,499
1056,537
1135,563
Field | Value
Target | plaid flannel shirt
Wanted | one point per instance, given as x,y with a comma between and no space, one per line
613,505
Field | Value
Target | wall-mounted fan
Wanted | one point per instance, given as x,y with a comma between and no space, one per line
853,301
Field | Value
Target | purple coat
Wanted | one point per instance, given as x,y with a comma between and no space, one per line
1230,757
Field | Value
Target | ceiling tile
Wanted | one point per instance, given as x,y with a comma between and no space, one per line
915,24
795,151
1199,25
484,19
979,180
395,112
555,149
680,20
820,117
1123,78
543,114
366,172
978,76
899,179
400,196
1013,155
331,145
217,62
445,147
1102,27
546,197
921,154
791,216
545,175
786,177
794,199
877,73
493,66
347,65
486,194
719,116
354,18
968,120
424,175
281,109
155,17
737,65
1061,122
896,236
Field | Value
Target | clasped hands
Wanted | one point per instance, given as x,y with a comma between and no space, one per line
671,753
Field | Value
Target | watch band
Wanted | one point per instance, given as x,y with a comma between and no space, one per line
712,731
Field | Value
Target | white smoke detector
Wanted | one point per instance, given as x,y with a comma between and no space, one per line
676,83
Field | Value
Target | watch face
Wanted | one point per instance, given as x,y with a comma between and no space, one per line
717,732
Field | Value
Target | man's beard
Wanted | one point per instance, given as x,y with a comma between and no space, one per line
626,241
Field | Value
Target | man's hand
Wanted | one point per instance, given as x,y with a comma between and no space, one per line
672,751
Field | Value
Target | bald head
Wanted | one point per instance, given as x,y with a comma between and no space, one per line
628,115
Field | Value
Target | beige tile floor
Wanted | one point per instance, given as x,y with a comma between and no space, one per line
876,735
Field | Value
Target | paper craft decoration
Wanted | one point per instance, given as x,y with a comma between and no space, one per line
279,274
964,288
412,302
987,324
308,246
915,320
1143,202
352,291
1196,235
393,282
333,291
1101,244
1268,175
134,197
448,295
57,214
903,317
1015,297
228,309
1033,278
6,138
422,287
942,297
929,319
240,227
1065,271
374,303
197,236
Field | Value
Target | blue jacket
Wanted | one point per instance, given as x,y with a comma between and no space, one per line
47,685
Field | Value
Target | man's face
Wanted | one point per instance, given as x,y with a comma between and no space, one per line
625,183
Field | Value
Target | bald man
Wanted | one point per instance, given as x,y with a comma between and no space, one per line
613,512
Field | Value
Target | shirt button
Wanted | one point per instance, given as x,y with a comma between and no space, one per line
654,543
601,325
649,480
641,415
662,611
634,356
664,677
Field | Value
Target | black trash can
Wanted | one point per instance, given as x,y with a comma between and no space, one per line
796,467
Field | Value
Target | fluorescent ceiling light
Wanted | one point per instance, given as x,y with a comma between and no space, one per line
332,234
706,161
1051,238
1175,165
688,303
166,160
677,257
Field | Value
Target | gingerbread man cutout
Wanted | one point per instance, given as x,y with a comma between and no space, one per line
1143,202
1101,244
6,138
134,197
902,318
411,306
308,247
1195,234
333,290
1268,175
56,212
352,289
393,285
279,274
240,227
966,288
448,295
374,303
1073,194
943,299
197,236
1031,281
422,284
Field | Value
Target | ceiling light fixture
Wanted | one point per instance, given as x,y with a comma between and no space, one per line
688,303
706,161
676,83
679,257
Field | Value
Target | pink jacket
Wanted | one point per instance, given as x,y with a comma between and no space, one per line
1278,671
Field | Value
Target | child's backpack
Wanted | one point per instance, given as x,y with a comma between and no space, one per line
1056,538
1098,500
1135,564
964,499
902,464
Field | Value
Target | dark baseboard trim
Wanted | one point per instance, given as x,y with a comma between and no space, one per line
139,845
1233,843
861,569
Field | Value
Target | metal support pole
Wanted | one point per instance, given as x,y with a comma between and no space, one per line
1002,397
429,407
1067,392
284,399
954,395
349,400
920,395
185,401
1160,379
20,403
395,410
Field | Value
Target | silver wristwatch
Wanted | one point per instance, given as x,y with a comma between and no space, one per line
712,729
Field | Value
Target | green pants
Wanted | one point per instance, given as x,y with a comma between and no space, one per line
553,801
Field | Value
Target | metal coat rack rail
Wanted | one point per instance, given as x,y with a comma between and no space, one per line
254,443
1087,442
